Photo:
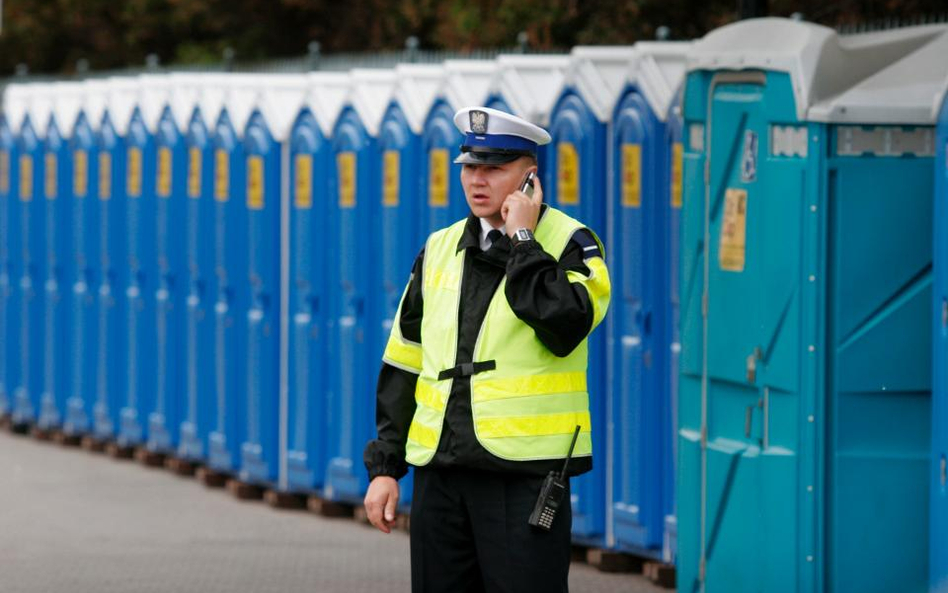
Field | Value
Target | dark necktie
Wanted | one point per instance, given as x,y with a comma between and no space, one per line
493,236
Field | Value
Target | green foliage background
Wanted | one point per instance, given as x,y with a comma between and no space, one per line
51,35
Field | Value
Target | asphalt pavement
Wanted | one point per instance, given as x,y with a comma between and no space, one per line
81,522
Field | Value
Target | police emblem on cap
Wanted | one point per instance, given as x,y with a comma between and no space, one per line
478,122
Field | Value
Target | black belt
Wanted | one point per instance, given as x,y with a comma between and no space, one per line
467,369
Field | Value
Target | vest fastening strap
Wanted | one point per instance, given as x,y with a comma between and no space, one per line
467,369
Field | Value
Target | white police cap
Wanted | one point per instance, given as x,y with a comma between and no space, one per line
493,137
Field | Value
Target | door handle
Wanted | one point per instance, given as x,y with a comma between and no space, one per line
749,417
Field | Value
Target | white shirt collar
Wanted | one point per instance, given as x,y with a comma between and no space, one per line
486,228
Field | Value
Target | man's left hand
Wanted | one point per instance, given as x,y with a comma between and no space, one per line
521,211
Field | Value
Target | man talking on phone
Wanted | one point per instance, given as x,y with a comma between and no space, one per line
483,381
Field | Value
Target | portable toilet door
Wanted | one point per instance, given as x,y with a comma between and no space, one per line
84,261
199,401
57,204
32,209
308,289
793,476
938,538
354,185
9,272
642,251
141,339
528,87
229,107
111,362
466,83
170,287
266,147
576,184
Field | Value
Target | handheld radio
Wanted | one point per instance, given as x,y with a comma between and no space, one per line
551,494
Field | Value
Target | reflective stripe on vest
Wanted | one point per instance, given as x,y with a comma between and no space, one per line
528,407
400,352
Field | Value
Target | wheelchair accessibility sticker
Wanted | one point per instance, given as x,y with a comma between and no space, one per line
749,162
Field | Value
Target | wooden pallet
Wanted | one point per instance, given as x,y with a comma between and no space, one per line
19,429
116,451
244,490
578,553
610,561
360,515
211,478
66,440
661,574
288,501
149,458
181,467
92,445
40,434
328,508
403,522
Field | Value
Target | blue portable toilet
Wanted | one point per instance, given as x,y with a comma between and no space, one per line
142,266
354,189
310,160
278,100
112,114
397,230
198,400
575,181
528,86
75,261
939,465
803,334
9,259
168,288
229,104
465,83
642,248
57,283
31,135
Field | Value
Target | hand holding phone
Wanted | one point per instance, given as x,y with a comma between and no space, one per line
521,209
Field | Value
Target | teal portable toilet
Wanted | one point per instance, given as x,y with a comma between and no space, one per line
642,248
31,137
805,394
354,192
938,538
576,183
465,83
228,105
277,102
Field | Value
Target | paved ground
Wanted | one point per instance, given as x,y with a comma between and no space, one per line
83,523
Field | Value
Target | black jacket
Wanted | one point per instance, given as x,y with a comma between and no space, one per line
538,292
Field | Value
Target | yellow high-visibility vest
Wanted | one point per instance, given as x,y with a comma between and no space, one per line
528,406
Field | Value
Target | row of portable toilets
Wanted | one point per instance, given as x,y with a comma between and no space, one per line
207,266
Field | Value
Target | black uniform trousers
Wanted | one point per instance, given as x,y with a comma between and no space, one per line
469,534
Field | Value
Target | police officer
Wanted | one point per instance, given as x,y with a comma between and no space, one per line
483,381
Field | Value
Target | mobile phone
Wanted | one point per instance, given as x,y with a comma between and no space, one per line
527,185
